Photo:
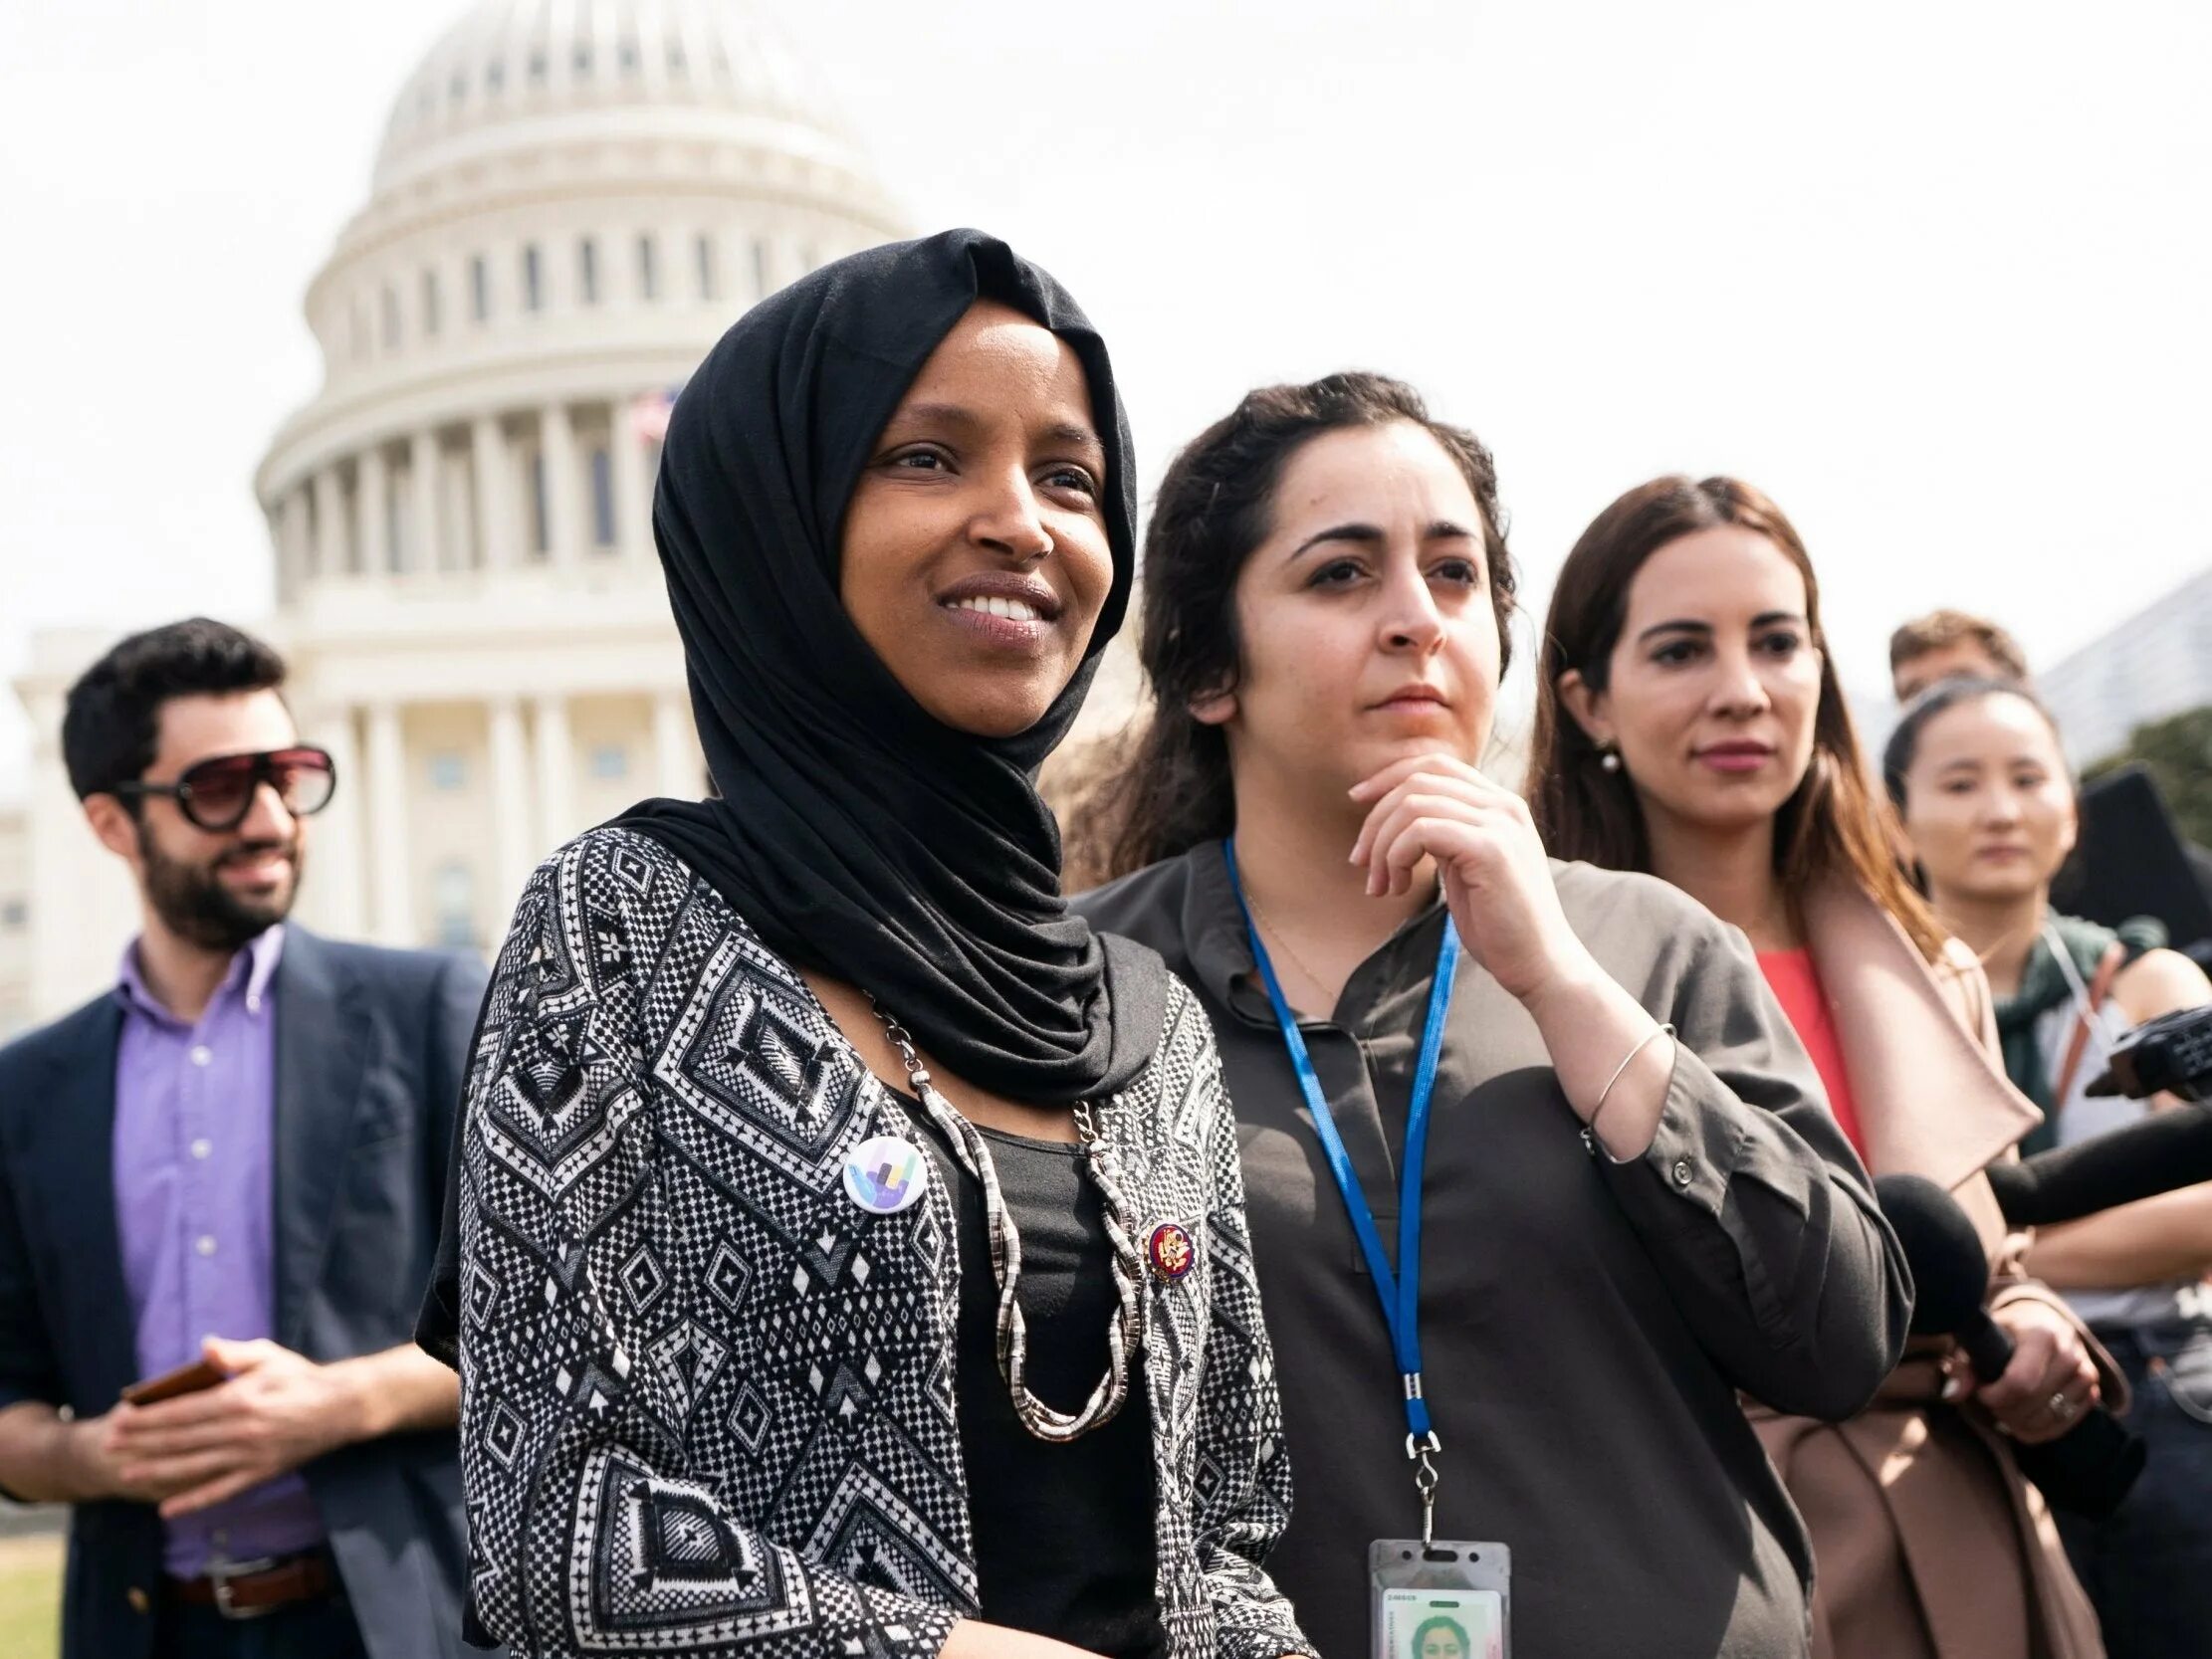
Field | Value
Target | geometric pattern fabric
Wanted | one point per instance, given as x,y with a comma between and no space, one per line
707,1400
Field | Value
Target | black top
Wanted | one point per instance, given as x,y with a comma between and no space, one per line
1586,1326
1063,1532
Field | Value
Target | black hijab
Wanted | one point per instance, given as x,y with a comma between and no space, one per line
857,834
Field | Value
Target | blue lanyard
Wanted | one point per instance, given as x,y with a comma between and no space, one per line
1398,1293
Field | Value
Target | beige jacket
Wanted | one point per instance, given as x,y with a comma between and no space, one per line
1927,1543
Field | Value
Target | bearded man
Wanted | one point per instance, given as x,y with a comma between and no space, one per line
231,1164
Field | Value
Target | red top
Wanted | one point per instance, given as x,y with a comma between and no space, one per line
1797,987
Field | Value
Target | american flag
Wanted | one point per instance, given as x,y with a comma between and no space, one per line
649,414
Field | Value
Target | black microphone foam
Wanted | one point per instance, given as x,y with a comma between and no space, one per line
2090,1467
2158,1154
1950,1275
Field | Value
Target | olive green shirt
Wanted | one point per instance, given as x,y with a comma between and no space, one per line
1586,1326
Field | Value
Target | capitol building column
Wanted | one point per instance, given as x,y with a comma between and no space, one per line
335,880
556,760
390,908
557,449
422,466
497,542
83,906
515,845
292,542
681,772
633,507
371,504
330,522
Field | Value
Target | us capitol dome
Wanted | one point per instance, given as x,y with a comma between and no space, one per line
572,200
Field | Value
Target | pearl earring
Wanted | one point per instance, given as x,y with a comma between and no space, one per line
1609,758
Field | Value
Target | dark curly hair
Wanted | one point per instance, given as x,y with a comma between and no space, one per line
1214,508
112,720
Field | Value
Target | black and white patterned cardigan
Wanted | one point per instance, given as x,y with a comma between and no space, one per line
707,1403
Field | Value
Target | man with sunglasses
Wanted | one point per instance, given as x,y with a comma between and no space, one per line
231,1164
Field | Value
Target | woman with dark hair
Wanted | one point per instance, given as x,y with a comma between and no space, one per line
1689,724
1570,1083
851,1250
1976,768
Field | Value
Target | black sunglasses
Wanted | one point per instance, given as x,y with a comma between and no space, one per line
217,794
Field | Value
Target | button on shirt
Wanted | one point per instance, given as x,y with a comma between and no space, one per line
195,1113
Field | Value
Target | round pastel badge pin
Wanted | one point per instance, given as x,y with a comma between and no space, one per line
1170,1251
885,1175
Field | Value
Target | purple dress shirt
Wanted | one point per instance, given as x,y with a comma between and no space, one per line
195,1131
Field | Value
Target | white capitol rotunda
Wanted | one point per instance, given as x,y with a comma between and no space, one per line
572,200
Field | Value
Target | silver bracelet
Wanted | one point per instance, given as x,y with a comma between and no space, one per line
1590,1130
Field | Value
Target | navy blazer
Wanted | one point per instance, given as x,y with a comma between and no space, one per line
370,1045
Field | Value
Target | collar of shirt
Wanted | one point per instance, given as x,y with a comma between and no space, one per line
251,970
1222,952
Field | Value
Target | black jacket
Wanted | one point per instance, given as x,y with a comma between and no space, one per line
368,1063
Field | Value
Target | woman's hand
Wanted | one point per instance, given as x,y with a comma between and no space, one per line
1497,879
1498,883
2049,1363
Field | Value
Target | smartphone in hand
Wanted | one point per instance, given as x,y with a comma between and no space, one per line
169,1385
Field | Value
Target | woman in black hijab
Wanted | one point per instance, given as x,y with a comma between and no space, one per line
850,1253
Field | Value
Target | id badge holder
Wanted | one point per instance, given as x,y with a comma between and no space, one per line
1449,1598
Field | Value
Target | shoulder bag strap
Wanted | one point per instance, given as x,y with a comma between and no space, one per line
2100,987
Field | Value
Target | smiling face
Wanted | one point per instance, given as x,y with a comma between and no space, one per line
1988,805
976,558
1365,618
215,889
1712,688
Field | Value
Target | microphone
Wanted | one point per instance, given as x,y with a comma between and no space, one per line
2089,1469
2157,1153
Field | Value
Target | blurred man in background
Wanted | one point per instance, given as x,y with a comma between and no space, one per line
1947,643
226,1172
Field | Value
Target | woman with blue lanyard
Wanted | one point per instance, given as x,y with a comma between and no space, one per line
1538,1178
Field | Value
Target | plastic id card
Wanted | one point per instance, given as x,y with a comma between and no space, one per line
1449,1600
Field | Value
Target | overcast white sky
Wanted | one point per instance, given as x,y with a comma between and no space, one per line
1934,276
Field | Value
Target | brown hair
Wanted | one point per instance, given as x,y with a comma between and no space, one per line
1214,507
1939,630
1833,825
111,718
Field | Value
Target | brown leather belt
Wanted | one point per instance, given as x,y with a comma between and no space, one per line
247,1589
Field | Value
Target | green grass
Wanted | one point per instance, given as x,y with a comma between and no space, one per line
30,1597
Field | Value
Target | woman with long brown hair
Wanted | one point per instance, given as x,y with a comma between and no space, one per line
1692,726
1634,1201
